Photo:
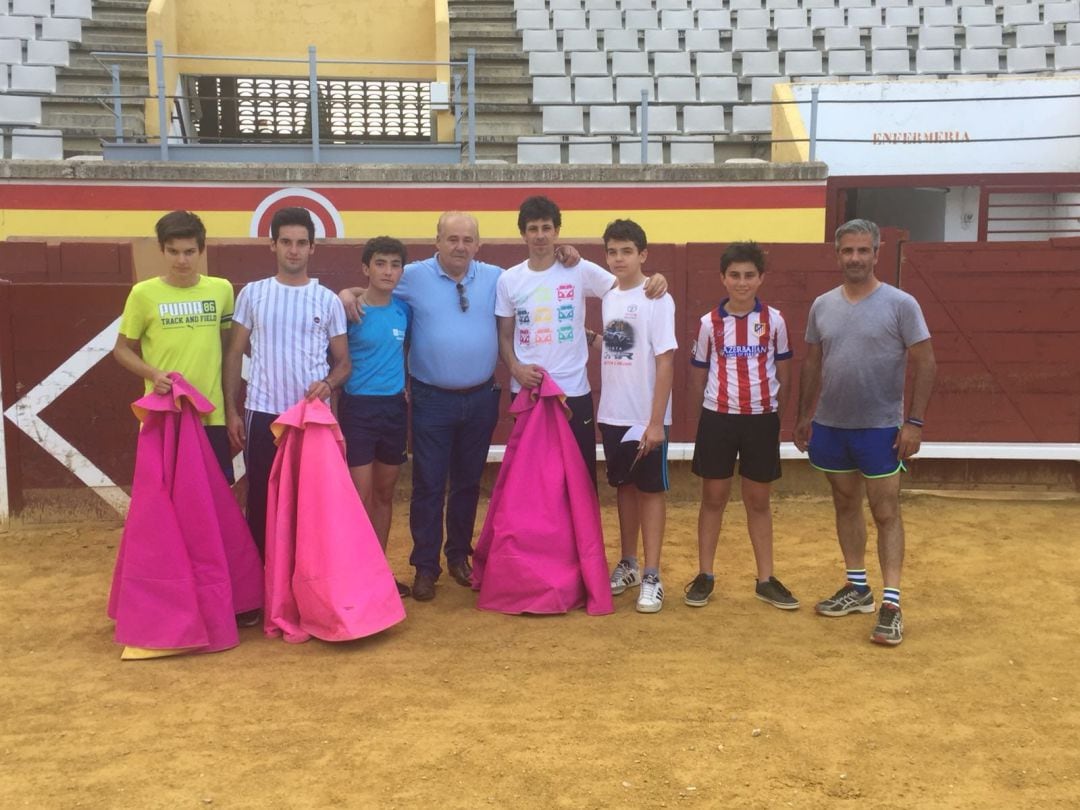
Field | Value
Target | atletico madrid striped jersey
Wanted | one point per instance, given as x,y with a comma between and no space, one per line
740,352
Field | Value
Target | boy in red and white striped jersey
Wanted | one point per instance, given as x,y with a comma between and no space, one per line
741,368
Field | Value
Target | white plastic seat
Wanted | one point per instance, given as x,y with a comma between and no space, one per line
32,8
1072,34
812,4
890,62
941,61
707,5
980,60
12,27
1061,13
47,52
687,149
630,63
585,149
794,39
621,39
1021,15
33,78
630,151
803,63
1028,36
19,110
539,149
3,88
551,90
556,5
761,63
962,3
1067,57
708,40
67,29
662,40
842,39
672,64
547,63
563,118
643,19
745,5
531,19
1025,60
889,37
593,90
73,8
982,36
714,19
749,39
847,63
628,89
782,5
925,3
849,4
599,5
864,17
751,119
939,15
10,51
887,4
713,64
753,18
588,63
678,5
605,19
761,86
678,20
37,144
578,39
633,5
676,89
610,119
718,90
932,36
789,18
903,16
662,120
568,19
539,40
529,5
702,119
978,15
821,18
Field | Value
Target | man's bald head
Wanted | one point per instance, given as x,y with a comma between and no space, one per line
457,239
457,217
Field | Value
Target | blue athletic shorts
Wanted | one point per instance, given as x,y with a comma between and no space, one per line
866,450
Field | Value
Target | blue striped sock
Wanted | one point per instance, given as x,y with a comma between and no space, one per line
890,596
857,577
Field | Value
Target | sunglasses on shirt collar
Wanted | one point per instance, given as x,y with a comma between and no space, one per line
463,300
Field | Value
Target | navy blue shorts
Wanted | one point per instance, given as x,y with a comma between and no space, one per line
375,429
844,450
649,473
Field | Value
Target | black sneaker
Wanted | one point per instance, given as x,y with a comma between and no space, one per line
775,594
403,590
699,591
890,626
249,618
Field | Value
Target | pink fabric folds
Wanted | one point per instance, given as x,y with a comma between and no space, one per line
542,546
326,574
186,564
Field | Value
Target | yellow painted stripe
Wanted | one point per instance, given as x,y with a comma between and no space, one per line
662,226
788,124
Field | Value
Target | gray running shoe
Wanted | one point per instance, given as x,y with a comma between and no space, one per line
775,594
624,576
699,591
846,600
890,626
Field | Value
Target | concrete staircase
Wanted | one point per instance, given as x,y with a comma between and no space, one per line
118,26
503,86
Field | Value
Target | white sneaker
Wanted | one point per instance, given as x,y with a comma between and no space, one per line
651,597
624,576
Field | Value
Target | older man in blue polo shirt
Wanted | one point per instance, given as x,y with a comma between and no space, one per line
454,345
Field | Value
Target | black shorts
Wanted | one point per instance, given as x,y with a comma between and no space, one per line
648,474
754,439
375,429
219,443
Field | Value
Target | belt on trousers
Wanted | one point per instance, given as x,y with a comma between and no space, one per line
472,389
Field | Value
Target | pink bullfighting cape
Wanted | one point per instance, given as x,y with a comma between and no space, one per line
326,574
542,546
186,564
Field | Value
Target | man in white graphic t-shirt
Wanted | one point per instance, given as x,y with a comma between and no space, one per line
288,321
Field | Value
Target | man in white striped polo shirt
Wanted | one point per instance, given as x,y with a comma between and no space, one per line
288,321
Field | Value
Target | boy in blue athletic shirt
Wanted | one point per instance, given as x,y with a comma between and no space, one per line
372,410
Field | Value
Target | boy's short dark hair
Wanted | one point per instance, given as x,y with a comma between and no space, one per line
743,252
386,245
626,230
181,225
538,207
292,216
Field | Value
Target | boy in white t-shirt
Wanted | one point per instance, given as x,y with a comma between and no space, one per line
636,370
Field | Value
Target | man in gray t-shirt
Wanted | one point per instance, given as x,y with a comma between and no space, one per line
860,338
